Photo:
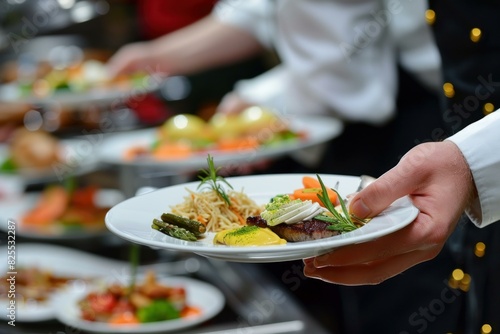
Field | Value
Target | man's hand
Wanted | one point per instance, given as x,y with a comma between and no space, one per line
437,179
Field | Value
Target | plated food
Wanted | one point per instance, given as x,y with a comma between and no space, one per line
60,212
43,270
30,291
47,79
155,305
34,285
120,148
311,212
62,208
184,135
40,157
67,275
71,84
32,150
149,301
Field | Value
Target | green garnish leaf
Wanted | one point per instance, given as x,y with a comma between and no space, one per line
158,310
209,178
339,222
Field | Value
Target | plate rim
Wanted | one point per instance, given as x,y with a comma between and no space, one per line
198,160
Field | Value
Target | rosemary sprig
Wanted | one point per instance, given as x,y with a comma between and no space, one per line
339,222
210,179
336,224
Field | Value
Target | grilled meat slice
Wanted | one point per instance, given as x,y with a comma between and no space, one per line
257,221
307,230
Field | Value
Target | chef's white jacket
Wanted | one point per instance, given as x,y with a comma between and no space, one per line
337,57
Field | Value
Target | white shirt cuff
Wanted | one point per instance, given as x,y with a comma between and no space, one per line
480,145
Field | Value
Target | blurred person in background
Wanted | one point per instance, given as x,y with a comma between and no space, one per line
372,65
159,18
370,61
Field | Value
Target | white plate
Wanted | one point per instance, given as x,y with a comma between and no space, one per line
60,261
78,155
199,294
111,95
132,219
14,208
318,129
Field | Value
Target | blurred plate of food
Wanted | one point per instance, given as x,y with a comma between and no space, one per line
154,305
38,156
183,141
76,83
188,218
40,270
57,213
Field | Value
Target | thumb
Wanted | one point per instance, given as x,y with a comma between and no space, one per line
381,193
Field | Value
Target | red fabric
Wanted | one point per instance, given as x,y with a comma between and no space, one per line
159,17
149,110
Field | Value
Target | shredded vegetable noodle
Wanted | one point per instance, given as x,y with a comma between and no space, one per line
211,210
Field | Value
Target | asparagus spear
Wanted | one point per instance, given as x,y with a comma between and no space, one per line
173,231
192,226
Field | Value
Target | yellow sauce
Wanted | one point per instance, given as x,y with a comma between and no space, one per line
248,236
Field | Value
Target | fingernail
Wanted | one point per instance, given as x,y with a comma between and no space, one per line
359,208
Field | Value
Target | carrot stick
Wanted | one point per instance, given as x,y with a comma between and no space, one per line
310,182
311,189
240,218
201,220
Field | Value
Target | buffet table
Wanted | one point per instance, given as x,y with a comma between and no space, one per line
254,301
